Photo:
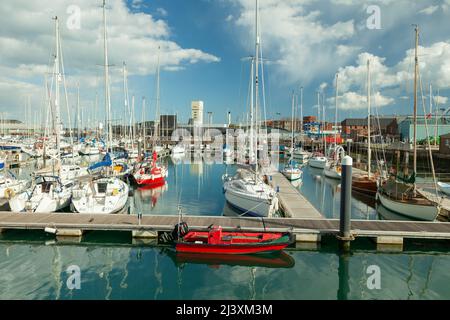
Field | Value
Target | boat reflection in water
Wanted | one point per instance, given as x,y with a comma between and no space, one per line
151,194
386,214
266,260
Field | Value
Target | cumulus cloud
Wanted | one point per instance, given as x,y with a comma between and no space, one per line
303,45
355,101
440,100
27,41
429,10
434,65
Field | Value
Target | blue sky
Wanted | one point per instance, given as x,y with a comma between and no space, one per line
203,42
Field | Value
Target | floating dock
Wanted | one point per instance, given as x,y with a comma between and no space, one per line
305,230
293,203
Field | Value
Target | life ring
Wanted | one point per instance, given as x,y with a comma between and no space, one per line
9,193
115,192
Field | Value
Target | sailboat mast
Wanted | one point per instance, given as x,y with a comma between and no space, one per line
416,67
57,93
292,124
336,111
251,144
107,93
256,80
369,143
158,98
301,114
431,99
78,111
324,124
318,119
144,129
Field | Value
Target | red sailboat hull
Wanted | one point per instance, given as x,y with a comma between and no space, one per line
151,182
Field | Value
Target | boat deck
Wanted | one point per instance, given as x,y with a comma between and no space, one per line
444,201
293,203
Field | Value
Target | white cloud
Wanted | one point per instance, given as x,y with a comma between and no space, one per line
355,101
136,4
27,42
162,12
429,10
303,45
434,66
440,100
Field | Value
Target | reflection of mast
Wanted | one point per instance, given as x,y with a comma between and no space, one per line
253,284
410,267
344,287
158,276
57,271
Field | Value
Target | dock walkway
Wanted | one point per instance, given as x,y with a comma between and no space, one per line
307,230
293,203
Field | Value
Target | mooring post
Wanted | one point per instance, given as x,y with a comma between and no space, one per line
345,235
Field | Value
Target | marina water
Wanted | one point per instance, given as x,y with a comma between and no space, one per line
112,266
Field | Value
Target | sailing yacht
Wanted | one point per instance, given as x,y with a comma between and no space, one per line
250,195
402,196
367,183
318,160
333,167
149,173
48,193
106,194
246,191
9,184
299,154
292,171
178,149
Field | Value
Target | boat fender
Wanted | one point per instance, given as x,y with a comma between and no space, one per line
275,204
9,193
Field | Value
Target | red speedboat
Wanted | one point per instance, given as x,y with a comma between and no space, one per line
150,174
217,241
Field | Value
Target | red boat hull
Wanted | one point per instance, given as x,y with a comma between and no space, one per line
277,260
216,241
151,182
228,249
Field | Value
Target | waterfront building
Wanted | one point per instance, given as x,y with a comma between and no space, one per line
435,128
197,112
444,146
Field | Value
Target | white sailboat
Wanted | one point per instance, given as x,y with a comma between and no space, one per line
444,187
48,193
300,154
246,191
292,171
318,160
403,197
333,167
178,150
9,184
102,195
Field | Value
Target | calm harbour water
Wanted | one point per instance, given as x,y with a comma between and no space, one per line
33,265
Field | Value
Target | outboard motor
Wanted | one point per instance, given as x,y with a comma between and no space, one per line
180,231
